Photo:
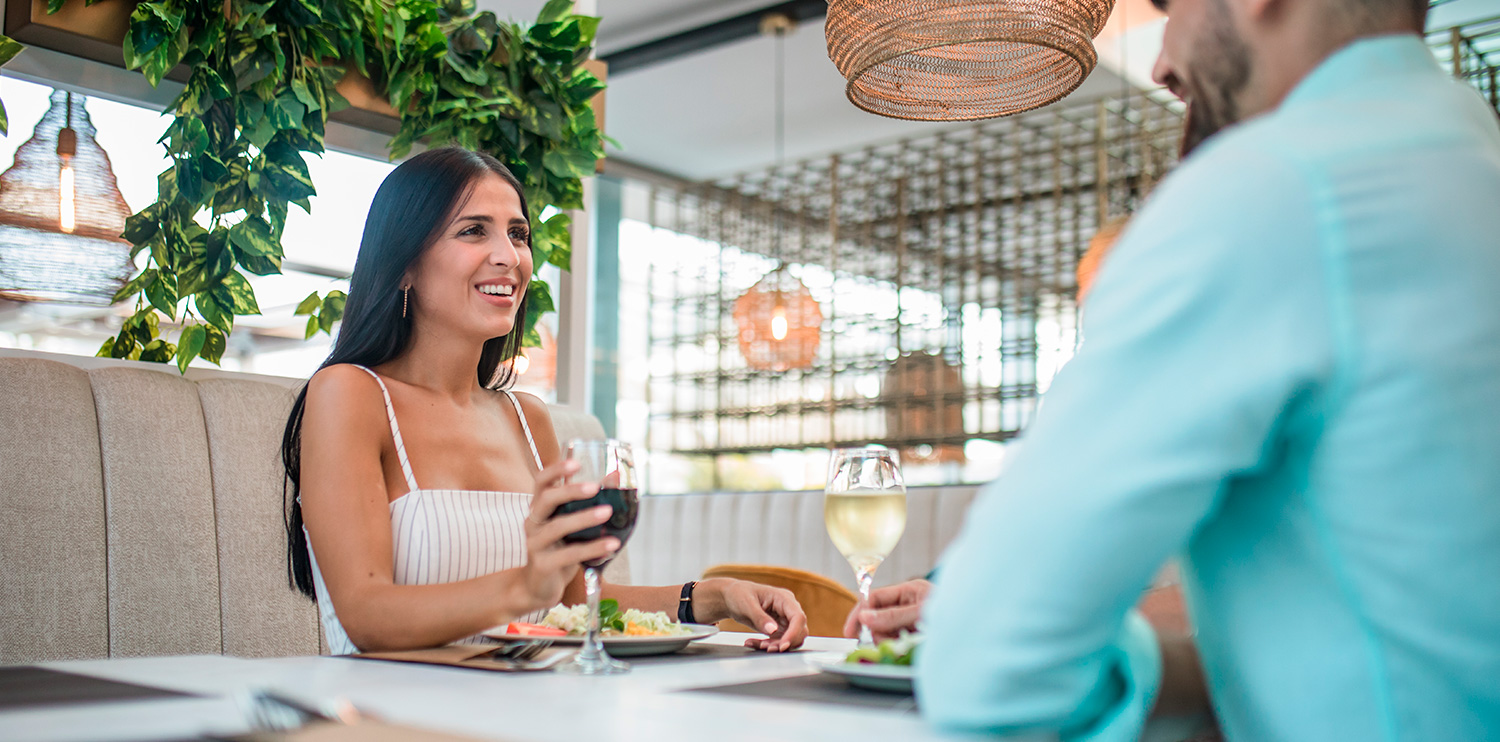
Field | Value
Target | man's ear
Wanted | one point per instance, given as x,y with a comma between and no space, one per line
1261,11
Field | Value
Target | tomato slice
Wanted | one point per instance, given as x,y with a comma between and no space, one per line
532,629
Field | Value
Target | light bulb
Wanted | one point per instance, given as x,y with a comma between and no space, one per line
67,206
778,323
522,364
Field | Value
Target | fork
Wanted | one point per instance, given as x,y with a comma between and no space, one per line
269,710
523,651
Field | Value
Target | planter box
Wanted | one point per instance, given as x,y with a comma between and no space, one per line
96,32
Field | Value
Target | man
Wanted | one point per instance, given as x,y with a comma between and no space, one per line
1291,378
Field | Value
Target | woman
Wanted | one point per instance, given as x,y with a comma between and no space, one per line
437,293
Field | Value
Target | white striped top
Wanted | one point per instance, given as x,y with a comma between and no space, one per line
440,536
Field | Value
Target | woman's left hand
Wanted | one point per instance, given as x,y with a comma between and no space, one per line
768,609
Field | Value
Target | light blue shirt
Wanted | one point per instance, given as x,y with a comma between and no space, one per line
1291,378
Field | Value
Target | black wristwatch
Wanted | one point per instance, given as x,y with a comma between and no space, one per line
685,604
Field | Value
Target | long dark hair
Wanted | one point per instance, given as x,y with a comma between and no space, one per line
411,208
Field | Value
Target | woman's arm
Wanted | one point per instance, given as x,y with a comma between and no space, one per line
771,610
347,512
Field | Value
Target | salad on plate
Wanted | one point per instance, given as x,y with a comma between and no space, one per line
899,651
574,621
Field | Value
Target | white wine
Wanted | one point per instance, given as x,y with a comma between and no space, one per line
865,524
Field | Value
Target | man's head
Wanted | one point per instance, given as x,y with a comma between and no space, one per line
1234,59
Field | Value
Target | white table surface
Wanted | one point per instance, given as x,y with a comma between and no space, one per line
524,707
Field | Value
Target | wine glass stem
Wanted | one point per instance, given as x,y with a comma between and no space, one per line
592,646
866,575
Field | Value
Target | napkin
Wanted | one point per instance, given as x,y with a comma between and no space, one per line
454,655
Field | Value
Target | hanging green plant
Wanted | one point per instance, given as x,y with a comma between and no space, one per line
260,87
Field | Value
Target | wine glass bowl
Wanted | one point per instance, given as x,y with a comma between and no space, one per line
864,509
611,465
625,504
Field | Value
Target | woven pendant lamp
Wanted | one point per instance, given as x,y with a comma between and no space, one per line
780,323
61,214
958,60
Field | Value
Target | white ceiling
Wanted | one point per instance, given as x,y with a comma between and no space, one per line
712,113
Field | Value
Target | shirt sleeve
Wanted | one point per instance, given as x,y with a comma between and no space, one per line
1208,325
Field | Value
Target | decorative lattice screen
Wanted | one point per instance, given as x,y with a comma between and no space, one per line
943,267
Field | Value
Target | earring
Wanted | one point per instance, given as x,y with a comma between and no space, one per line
405,295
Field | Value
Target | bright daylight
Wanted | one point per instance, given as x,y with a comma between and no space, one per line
551,370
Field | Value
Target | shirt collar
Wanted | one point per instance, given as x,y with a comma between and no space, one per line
1367,58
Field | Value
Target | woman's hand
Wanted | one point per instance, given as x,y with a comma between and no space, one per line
550,563
768,609
891,610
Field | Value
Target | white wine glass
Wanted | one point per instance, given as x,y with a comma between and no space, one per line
610,464
864,508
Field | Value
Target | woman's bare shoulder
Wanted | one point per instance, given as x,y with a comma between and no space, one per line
539,418
345,392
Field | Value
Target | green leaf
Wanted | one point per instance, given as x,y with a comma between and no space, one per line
253,237
241,294
134,285
309,305
312,327
217,314
554,11
189,345
300,89
569,163
158,351
9,48
214,344
162,293
538,298
107,350
333,306
143,225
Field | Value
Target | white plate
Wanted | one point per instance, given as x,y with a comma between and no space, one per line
887,678
620,646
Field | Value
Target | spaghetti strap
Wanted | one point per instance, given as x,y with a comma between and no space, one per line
390,412
524,427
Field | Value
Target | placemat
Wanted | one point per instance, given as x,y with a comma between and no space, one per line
26,686
697,651
815,688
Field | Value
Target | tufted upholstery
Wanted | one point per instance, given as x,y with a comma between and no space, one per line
143,511
680,536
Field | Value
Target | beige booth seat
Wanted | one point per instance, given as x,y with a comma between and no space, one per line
142,516
143,511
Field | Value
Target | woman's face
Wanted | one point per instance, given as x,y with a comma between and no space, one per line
472,279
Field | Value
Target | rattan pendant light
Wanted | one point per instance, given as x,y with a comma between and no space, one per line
61,214
780,324
958,60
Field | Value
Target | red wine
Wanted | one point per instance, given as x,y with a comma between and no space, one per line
627,506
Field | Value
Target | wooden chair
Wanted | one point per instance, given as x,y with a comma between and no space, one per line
827,603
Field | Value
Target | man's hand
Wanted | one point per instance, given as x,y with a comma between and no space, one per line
890,610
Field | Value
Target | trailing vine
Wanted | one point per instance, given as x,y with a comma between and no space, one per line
260,88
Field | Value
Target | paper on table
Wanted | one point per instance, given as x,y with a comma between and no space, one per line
454,655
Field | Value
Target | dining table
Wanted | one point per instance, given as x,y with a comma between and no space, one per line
711,691
670,697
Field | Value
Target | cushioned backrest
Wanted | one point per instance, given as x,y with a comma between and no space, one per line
680,536
262,616
158,493
53,569
570,425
